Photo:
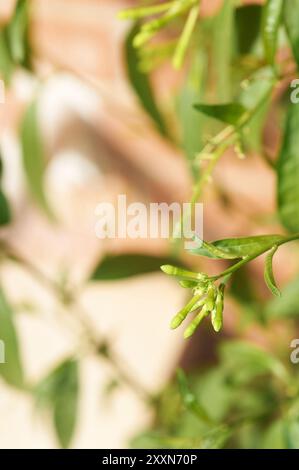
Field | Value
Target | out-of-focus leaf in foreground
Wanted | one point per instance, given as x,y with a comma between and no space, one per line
59,391
11,371
291,21
140,83
114,267
34,156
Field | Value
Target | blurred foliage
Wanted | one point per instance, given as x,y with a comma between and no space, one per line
248,400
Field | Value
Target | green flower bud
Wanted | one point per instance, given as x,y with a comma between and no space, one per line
217,313
180,317
195,323
210,300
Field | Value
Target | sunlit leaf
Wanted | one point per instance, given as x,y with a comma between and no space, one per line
12,370
141,84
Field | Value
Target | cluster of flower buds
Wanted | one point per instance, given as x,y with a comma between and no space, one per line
207,299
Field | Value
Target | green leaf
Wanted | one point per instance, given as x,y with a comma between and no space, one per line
287,305
271,18
268,273
291,21
6,63
232,248
5,215
114,267
191,122
247,23
222,50
59,391
258,88
274,436
291,433
17,32
140,83
14,41
12,370
33,156
230,113
242,354
288,172
189,399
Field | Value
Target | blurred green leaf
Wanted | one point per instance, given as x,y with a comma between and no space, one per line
291,21
17,32
140,82
222,50
274,436
12,370
291,433
214,392
229,113
254,93
268,273
5,214
192,123
287,305
288,170
242,354
247,24
14,41
114,267
271,19
6,63
33,156
189,399
237,247
216,438
60,391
